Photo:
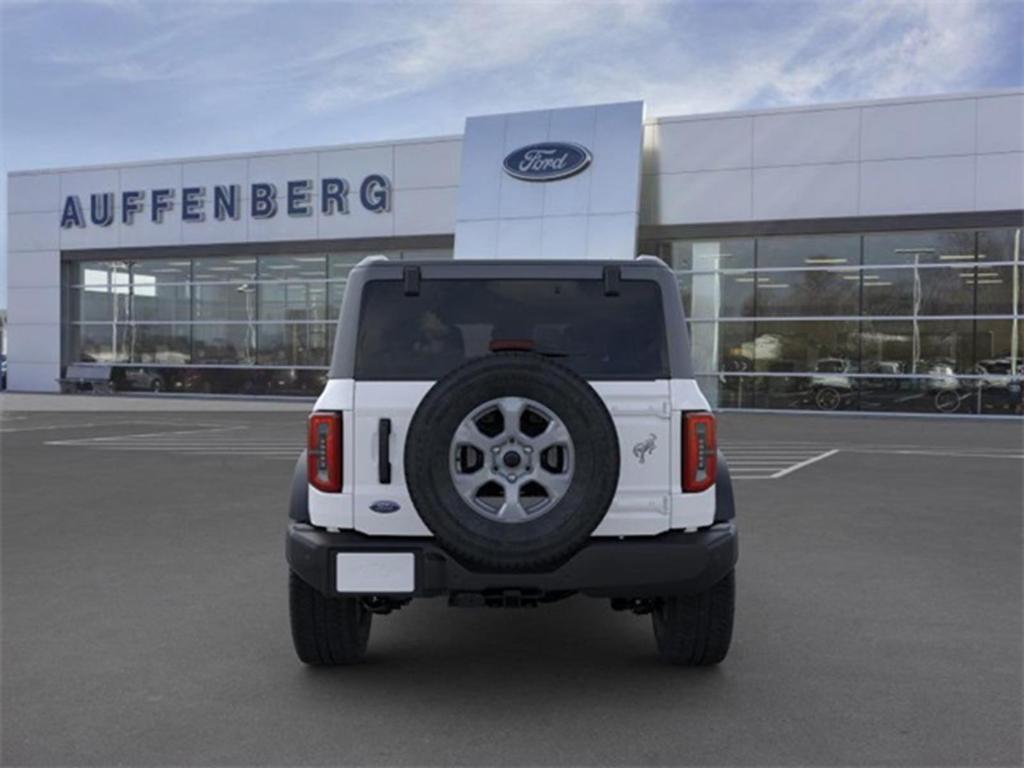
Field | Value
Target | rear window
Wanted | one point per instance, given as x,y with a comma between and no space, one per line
423,337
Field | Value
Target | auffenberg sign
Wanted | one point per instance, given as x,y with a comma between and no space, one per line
225,202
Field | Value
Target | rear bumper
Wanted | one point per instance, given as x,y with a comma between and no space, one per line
669,564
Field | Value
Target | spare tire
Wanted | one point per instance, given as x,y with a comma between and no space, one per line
512,461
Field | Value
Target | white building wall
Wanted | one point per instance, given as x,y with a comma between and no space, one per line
33,282
930,155
593,214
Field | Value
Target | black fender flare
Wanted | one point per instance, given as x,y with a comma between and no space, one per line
298,502
725,503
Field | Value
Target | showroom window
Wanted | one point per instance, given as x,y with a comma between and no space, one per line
244,323
894,321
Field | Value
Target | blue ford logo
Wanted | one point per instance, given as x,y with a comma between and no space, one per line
547,162
385,507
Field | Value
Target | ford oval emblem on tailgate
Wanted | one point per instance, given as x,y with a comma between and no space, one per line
548,161
385,507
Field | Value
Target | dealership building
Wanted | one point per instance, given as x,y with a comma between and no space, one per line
857,257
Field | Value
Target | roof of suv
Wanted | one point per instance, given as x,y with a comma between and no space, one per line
412,272
549,266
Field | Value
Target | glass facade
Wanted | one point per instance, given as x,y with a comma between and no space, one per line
927,321
251,323
908,321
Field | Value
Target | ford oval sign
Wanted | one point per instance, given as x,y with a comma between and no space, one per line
547,162
385,507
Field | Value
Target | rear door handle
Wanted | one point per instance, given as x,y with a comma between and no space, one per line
384,451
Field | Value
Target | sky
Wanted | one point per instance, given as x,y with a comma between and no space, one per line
101,81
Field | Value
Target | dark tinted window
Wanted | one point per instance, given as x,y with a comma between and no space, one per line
451,321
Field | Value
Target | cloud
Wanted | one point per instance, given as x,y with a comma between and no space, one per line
246,75
462,41
680,57
857,51
803,52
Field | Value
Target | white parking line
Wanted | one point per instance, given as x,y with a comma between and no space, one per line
1016,455
119,439
805,463
771,461
211,440
51,427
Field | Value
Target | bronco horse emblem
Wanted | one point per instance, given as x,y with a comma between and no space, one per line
644,447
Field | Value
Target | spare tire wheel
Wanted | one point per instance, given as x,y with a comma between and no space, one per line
512,461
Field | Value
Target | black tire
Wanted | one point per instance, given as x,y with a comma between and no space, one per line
827,399
326,631
695,630
533,545
947,401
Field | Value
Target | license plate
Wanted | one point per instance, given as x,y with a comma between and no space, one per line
375,572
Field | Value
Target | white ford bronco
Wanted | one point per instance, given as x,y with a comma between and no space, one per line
508,433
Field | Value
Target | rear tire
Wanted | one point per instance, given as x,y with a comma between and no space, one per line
696,630
326,631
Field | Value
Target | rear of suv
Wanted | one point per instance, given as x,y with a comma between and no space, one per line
509,433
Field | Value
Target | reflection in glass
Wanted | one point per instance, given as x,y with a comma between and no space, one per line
721,294
231,301
806,346
97,304
298,344
998,346
154,271
224,269
996,245
935,348
233,344
736,347
808,251
1000,366
162,301
709,255
141,379
919,248
292,301
99,343
806,293
996,288
101,276
919,291
156,317
164,343
298,267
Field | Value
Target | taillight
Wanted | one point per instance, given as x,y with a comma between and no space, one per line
700,451
323,444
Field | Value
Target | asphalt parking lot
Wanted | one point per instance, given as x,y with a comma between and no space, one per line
145,619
